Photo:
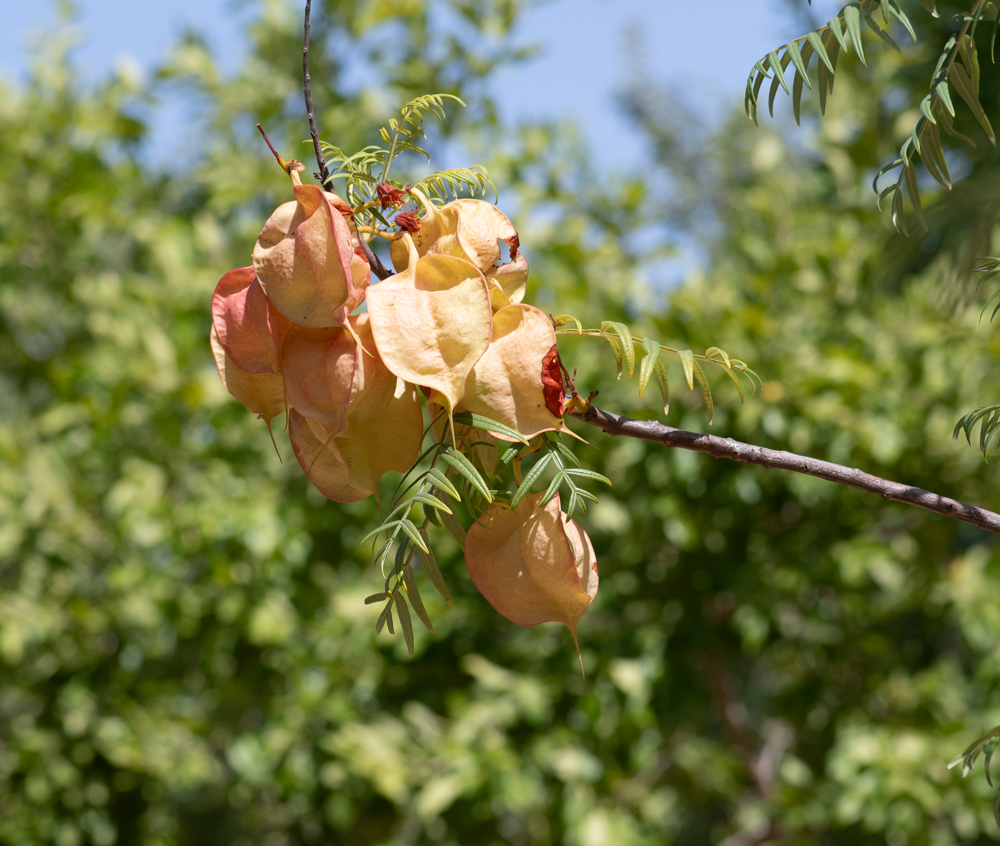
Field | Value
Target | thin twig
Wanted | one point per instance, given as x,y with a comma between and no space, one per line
379,269
324,173
776,459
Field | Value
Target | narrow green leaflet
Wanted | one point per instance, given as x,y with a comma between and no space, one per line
375,597
384,618
443,483
413,594
581,473
966,90
910,175
567,454
431,501
486,424
816,40
564,319
627,345
429,564
454,528
466,469
554,485
616,348
530,478
777,68
852,20
411,532
706,392
648,363
800,66
687,362
660,371
404,621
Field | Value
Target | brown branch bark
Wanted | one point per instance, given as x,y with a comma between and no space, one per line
776,459
324,173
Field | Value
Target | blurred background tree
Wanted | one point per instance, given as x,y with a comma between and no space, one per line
184,653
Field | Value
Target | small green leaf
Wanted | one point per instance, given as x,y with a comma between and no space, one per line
530,478
567,453
963,85
819,49
574,504
792,50
384,618
554,486
648,362
852,20
411,532
687,362
581,473
466,469
616,348
404,621
706,392
628,346
833,26
776,66
443,483
565,319
485,423
430,567
431,501
454,527
375,597
392,524
660,371
413,593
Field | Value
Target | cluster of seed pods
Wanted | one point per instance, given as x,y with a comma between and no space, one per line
448,332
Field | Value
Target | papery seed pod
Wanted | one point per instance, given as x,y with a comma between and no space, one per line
531,565
304,259
471,229
507,384
262,394
381,427
249,328
432,322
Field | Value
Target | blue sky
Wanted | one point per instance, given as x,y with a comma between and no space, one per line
587,52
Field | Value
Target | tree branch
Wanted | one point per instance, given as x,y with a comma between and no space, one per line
324,173
776,459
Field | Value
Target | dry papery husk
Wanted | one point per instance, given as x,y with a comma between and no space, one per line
262,394
531,565
380,432
303,258
432,323
249,328
470,229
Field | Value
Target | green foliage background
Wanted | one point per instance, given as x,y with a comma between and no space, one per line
184,653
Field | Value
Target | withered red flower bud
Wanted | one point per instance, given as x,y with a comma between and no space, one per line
388,195
552,382
408,221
